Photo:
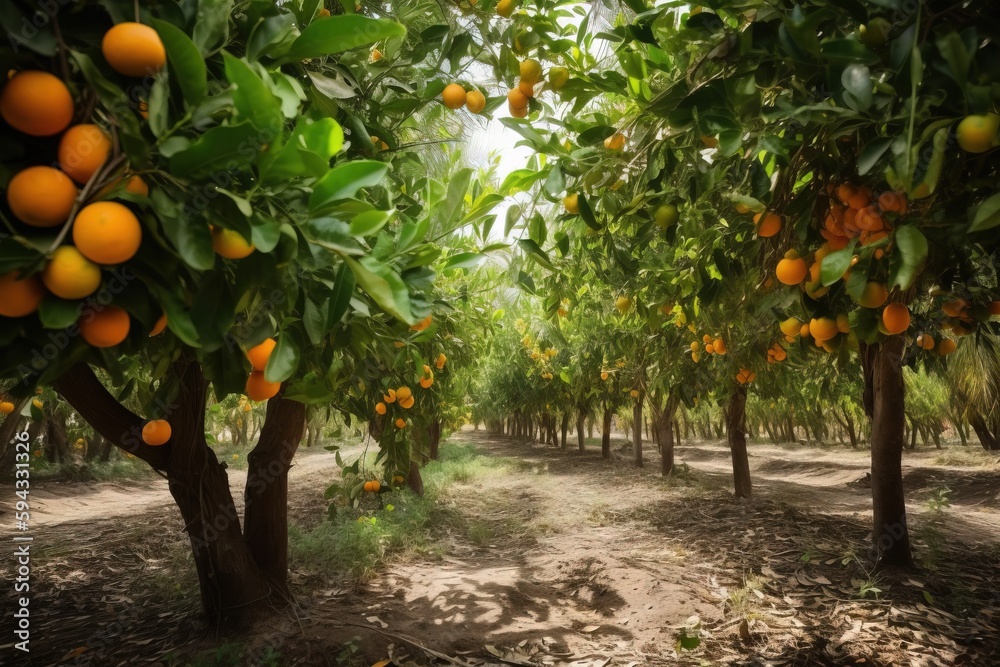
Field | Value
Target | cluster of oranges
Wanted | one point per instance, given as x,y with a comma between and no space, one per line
856,213
776,353
104,233
710,344
745,376
455,96
257,387
374,486
825,332
403,396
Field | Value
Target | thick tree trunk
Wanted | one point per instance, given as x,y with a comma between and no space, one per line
233,588
637,432
987,438
736,434
884,367
266,495
433,439
565,428
606,434
581,418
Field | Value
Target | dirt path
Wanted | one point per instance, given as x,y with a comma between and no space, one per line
564,559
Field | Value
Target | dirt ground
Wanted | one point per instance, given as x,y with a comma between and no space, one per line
578,562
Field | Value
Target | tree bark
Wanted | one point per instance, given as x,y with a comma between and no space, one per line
884,366
736,434
581,418
565,428
637,432
606,434
665,431
266,496
987,438
433,438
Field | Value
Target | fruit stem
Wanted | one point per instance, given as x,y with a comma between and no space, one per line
108,168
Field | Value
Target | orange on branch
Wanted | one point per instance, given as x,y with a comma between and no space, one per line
36,103
107,232
41,196
133,49
259,354
105,328
259,389
156,432
20,296
70,275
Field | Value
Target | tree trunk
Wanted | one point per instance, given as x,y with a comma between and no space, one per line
581,418
9,426
233,587
666,432
606,434
565,428
266,494
736,434
987,438
413,479
637,432
433,438
884,367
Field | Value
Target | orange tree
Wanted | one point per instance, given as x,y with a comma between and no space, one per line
866,131
213,211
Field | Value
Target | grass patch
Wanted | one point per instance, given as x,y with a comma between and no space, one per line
116,470
966,456
744,601
358,542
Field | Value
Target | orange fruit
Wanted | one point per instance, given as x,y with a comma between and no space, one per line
373,486
558,77
946,347
926,341
475,101
767,225
874,295
615,142
107,232
105,328
160,326
259,389
531,70
454,96
527,89
422,324
441,361
720,346
403,393
804,329
406,403
978,133
572,203
380,408
259,354
390,396
843,324
823,328
892,202
792,269
82,151
790,327
156,432
137,186
36,103
70,275
955,308
861,198
506,7
400,423
41,196
324,11
19,296
516,112
133,49
6,407
230,244
896,318
425,382
709,348
517,99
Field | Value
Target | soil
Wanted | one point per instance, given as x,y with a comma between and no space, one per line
575,561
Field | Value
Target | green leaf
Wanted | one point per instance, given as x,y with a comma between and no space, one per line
191,238
314,319
306,153
555,184
458,185
512,217
212,27
463,260
986,215
345,180
252,98
835,265
872,153
223,148
909,256
329,35
383,286
56,313
187,67
859,89
369,222
284,360
340,296
587,213
537,253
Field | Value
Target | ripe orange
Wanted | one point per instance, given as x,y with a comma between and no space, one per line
843,324
41,196
531,70
380,408
527,89
946,347
720,346
70,275
926,341
259,354
792,269
441,361
604,375
767,225
406,403
137,186
892,202
133,49
572,203
230,244
105,328
861,198
36,103
422,324
823,328
506,7
516,112
896,318
790,327
82,151
615,142
107,232
978,133
372,486
398,479
874,295
6,407
160,326
475,101
156,432
454,96
425,382
517,99
955,308
558,77
403,393
390,396
709,348
259,389
400,423
19,297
